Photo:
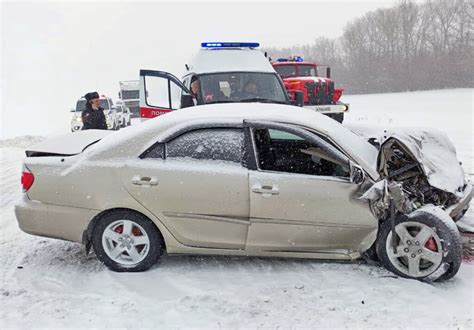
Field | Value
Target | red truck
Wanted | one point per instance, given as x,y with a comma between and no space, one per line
319,94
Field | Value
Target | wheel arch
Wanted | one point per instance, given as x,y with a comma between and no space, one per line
87,234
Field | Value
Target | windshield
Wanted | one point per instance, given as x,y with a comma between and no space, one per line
81,104
127,95
307,71
286,71
241,87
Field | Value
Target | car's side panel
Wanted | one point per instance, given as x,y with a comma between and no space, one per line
76,182
202,203
54,221
308,213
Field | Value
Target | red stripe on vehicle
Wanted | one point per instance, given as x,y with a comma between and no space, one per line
152,112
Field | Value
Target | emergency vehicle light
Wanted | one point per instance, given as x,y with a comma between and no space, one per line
291,59
230,44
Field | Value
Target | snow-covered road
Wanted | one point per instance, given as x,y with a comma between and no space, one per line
46,282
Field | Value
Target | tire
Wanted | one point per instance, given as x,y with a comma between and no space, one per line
108,240
339,117
443,245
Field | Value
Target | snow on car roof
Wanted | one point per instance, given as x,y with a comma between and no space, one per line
139,137
230,60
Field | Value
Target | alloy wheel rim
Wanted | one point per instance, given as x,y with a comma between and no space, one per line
419,251
125,242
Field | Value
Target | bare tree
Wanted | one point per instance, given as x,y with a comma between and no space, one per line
407,47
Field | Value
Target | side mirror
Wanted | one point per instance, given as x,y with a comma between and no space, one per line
187,101
328,72
299,98
375,142
357,173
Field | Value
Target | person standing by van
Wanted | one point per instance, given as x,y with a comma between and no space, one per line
93,116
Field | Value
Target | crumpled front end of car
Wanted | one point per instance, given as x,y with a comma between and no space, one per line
418,167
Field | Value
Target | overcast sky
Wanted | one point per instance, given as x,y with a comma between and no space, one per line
53,53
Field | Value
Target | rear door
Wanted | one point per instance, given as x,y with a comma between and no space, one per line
196,185
160,93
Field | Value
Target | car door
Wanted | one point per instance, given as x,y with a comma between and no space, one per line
301,195
196,185
160,93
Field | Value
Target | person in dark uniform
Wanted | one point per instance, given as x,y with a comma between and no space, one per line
93,116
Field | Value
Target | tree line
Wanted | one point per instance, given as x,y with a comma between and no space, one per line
406,47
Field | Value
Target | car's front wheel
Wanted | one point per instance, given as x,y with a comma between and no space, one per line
126,241
427,245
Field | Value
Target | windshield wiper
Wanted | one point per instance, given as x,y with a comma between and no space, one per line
262,100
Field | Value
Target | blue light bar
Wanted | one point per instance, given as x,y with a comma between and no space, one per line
291,59
230,44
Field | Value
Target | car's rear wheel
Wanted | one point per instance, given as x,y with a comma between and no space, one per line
427,247
126,241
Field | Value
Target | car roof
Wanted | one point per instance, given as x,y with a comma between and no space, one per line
230,60
142,136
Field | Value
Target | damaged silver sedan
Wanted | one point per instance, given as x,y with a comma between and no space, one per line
251,180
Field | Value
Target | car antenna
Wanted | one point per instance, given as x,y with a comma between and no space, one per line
187,67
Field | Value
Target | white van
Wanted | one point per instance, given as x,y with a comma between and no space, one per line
227,72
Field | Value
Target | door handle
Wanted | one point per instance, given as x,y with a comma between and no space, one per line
145,181
266,190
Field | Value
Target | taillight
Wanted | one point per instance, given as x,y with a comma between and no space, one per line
27,179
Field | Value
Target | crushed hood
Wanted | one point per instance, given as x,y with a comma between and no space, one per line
435,153
66,144
430,147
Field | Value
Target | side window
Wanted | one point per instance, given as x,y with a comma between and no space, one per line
156,151
186,83
162,93
210,144
281,151
175,93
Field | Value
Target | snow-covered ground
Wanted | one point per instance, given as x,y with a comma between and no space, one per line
46,282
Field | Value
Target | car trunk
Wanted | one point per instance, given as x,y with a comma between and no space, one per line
64,145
